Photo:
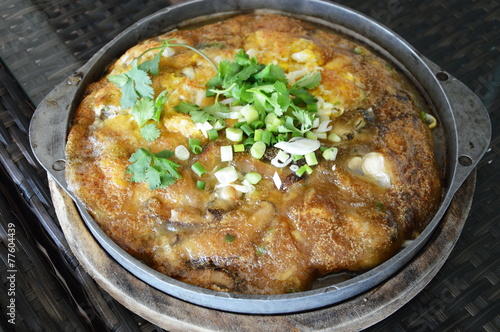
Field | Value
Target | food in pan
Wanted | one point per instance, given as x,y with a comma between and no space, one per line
254,155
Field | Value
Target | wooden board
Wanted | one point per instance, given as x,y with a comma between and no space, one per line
176,315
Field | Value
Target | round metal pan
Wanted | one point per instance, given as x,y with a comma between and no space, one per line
462,139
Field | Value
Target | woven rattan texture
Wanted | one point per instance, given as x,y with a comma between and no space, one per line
44,41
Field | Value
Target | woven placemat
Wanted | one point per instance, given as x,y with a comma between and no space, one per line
44,41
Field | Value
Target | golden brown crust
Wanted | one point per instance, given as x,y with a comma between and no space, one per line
272,240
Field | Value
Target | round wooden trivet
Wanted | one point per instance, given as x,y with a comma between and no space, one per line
176,315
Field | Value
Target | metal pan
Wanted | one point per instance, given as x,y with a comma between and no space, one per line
464,136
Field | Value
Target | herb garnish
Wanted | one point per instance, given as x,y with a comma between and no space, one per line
285,111
137,91
265,88
153,168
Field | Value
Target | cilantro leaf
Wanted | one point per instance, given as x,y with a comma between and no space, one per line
186,107
243,59
202,116
165,154
143,111
272,73
309,81
153,178
241,93
196,113
306,119
289,127
210,113
245,73
141,160
150,132
152,65
142,81
267,98
119,80
129,95
133,84
216,109
302,96
154,169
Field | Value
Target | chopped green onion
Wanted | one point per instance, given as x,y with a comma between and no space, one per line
226,153
311,159
311,135
212,134
253,177
273,120
227,175
181,152
312,107
247,129
282,156
266,137
239,147
270,118
249,113
330,154
200,185
219,124
257,135
258,149
198,168
304,169
249,142
281,138
234,134
271,128
257,124
296,157
239,124
194,145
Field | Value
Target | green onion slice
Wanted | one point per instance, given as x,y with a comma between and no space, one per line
226,153
234,134
194,145
198,168
200,185
253,177
258,149
181,152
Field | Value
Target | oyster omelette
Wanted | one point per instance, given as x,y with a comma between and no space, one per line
254,155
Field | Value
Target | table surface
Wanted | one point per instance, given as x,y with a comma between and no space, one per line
42,42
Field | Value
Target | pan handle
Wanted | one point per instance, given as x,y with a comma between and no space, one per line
49,127
472,121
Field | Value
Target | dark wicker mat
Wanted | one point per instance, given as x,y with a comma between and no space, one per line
44,41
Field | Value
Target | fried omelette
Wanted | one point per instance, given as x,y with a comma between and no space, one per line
348,174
